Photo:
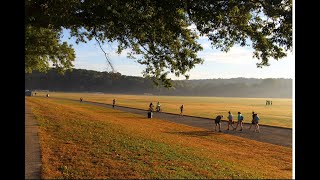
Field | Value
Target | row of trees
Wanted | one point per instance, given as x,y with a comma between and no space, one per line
80,80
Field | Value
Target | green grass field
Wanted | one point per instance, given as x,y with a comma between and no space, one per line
279,114
82,141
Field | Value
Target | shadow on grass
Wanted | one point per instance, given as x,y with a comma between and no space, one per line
196,133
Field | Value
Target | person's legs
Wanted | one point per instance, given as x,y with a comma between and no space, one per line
241,125
251,124
219,126
232,122
257,127
236,126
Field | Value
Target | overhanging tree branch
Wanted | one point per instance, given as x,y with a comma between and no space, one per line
105,54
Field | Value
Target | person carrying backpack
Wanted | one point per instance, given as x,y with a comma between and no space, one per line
257,119
240,119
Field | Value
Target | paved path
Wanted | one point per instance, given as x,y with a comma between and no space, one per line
270,134
32,147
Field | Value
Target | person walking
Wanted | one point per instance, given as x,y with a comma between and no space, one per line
151,107
252,121
230,120
181,110
158,107
256,119
81,99
113,103
240,119
217,122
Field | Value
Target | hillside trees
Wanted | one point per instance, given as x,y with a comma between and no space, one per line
81,80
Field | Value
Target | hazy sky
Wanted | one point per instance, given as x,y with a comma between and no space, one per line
238,62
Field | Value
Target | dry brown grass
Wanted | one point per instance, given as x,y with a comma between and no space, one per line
85,141
279,114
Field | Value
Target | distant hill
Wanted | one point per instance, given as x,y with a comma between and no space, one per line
80,80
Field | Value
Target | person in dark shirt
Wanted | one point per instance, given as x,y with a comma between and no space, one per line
217,121
113,103
151,107
181,110
252,121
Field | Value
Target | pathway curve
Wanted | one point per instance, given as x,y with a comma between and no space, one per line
270,134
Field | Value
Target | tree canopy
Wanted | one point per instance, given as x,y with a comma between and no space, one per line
157,32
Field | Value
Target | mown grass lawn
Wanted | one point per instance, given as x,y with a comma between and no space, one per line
279,114
84,141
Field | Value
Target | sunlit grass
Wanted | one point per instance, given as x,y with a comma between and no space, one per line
279,114
84,141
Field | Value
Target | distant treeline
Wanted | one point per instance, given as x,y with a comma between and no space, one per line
80,80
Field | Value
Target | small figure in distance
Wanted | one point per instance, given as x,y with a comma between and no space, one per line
81,99
47,95
181,110
240,119
35,94
151,107
256,119
217,121
158,107
230,120
252,121
113,103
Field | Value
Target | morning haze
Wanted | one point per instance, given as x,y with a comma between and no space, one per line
80,80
